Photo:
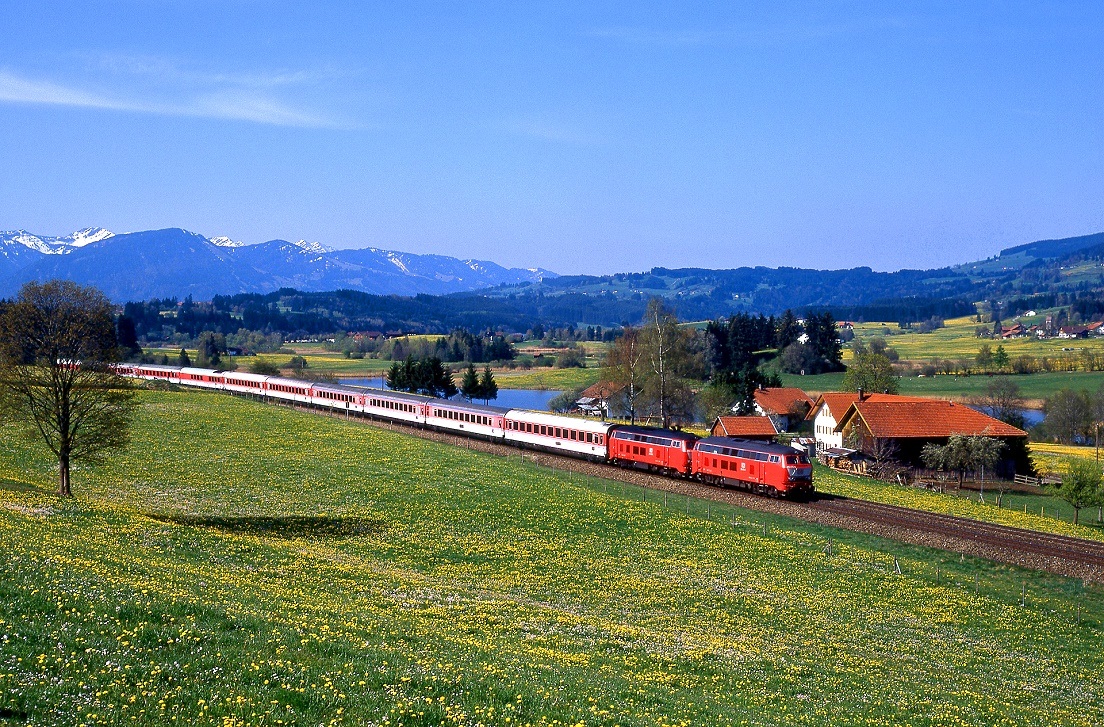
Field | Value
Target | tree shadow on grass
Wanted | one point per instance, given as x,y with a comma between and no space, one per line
14,715
292,526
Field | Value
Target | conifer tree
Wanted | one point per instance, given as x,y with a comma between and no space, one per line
488,388
469,385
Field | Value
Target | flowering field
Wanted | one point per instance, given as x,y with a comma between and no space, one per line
1048,457
244,564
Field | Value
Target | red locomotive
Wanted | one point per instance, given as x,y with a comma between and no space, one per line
658,450
760,467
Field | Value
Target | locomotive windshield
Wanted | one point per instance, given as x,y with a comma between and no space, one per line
796,459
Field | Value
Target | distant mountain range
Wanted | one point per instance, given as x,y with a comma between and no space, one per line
177,263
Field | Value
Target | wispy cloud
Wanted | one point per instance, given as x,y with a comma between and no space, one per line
171,71
230,102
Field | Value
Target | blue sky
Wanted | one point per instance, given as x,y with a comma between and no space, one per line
584,138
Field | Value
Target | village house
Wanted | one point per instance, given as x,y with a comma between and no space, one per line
899,427
606,400
750,427
830,407
785,405
825,414
1095,328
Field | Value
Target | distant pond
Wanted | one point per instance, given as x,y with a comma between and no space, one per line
536,399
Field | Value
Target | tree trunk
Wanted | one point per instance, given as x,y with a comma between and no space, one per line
1076,514
63,477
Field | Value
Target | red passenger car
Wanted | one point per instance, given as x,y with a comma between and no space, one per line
762,467
659,450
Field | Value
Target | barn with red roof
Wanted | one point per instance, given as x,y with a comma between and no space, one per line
907,424
785,405
757,428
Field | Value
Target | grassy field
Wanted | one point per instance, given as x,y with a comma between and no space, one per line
547,378
244,564
1034,387
957,339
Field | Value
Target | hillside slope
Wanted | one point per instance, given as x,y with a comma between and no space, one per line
266,578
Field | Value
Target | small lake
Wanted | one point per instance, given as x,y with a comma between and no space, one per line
1031,416
535,399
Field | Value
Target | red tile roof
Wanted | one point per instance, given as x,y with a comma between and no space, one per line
914,418
744,427
836,401
782,400
839,401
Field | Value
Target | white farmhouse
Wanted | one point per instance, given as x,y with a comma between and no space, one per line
826,410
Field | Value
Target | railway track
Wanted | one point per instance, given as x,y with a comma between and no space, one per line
1088,552
1064,555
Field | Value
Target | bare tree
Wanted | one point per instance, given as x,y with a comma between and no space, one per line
886,454
1068,415
670,354
624,365
1002,400
56,343
661,336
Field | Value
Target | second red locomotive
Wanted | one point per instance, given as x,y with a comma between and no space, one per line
760,467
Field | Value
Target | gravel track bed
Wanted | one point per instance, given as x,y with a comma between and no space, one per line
1072,557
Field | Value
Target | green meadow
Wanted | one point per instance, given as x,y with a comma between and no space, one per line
1033,387
243,564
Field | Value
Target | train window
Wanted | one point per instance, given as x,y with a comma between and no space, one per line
775,459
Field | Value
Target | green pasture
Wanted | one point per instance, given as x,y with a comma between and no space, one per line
957,339
547,378
311,570
1034,387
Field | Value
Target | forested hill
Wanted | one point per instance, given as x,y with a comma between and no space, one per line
700,294
1022,278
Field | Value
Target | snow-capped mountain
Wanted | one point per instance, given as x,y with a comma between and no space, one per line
226,242
174,262
313,247
55,245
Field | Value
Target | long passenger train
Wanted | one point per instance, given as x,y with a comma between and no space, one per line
763,468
